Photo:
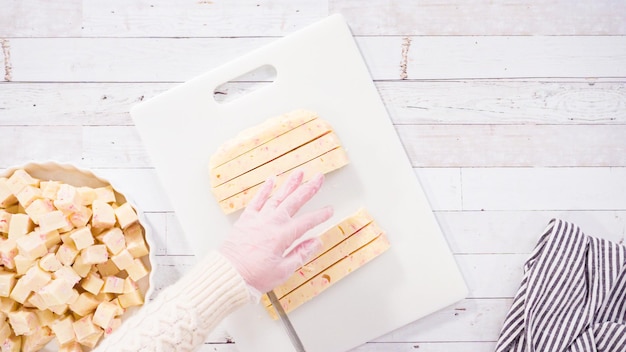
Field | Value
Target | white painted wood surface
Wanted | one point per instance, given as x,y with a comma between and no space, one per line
512,112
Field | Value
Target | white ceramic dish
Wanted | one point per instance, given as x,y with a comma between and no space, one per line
75,176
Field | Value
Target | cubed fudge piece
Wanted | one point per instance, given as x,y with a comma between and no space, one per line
7,198
95,254
66,253
114,240
54,220
67,199
27,195
7,281
49,189
92,283
137,270
82,237
32,246
113,284
105,194
50,263
23,321
135,241
39,207
126,215
104,314
64,330
103,215
84,304
123,259
20,225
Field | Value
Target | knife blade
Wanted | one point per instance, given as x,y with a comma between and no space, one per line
291,332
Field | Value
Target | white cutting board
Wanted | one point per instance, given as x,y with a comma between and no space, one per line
318,68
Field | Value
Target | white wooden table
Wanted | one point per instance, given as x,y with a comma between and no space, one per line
511,112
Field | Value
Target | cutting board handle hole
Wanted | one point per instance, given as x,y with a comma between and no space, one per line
245,84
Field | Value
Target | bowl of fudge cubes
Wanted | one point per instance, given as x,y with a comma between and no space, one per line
75,258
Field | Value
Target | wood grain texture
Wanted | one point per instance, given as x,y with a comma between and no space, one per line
544,188
457,57
188,18
483,17
514,145
517,232
493,102
496,102
40,18
39,143
198,18
73,104
454,57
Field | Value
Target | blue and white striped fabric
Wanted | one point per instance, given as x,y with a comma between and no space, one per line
572,297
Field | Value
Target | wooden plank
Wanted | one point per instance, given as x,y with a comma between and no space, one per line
249,18
442,187
75,104
514,145
5,56
162,18
123,59
492,275
40,18
474,232
156,228
483,17
20,145
505,102
426,347
502,57
113,146
177,243
170,269
579,101
566,188
454,57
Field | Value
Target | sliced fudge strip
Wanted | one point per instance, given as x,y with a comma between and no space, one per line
257,135
291,160
343,230
331,238
268,151
330,276
332,256
325,163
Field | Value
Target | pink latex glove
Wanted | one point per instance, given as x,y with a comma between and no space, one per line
268,227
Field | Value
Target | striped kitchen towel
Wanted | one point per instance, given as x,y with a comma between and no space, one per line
572,297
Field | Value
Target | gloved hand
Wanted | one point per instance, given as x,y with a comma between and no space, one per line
268,227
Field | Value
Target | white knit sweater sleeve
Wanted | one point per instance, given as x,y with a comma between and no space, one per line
182,315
